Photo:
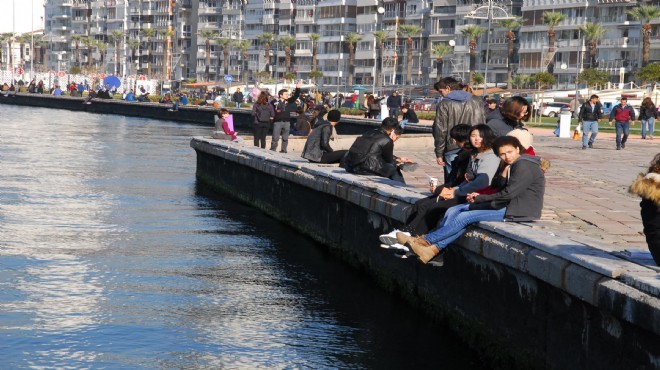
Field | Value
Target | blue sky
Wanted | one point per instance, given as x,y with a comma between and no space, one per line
22,14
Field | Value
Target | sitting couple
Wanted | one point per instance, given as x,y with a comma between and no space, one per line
518,197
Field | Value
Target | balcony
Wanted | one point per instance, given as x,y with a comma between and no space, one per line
209,10
444,31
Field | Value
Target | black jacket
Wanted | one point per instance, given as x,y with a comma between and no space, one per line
587,114
318,142
394,101
523,194
648,187
371,154
411,116
647,112
237,97
493,114
282,109
457,107
502,126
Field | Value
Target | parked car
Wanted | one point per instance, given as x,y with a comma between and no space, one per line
423,104
553,109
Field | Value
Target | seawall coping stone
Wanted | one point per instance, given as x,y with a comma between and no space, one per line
577,268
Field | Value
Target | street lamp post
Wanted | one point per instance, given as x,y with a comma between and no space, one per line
489,12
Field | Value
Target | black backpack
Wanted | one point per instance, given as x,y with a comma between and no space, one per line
263,113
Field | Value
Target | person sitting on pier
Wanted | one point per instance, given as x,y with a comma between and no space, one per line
514,112
57,91
317,147
373,153
476,170
40,87
144,95
130,96
409,115
303,125
222,129
520,200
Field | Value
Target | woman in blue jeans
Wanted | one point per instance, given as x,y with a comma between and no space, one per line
521,199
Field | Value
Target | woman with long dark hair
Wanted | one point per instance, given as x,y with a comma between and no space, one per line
647,114
515,110
263,114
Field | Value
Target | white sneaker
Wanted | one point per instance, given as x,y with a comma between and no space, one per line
400,247
390,238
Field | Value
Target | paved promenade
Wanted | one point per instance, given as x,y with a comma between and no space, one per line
587,190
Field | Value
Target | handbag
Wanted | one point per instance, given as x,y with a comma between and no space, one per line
576,133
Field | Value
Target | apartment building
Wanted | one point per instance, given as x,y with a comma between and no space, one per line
183,55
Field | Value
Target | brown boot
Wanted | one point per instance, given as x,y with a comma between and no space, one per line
423,249
403,238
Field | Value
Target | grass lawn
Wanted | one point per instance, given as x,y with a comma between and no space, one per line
551,123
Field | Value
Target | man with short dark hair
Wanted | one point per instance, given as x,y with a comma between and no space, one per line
394,104
590,114
623,114
456,107
281,122
237,97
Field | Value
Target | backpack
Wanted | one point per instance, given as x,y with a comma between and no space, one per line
263,114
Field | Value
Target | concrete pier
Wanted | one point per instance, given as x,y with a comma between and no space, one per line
526,295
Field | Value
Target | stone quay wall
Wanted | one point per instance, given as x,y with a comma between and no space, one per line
521,300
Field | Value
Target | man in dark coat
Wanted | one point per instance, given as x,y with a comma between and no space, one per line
317,147
237,97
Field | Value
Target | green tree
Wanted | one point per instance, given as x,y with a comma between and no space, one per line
409,31
380,37
89,43
478,78
544,79
520,81
134,45
352,40
149,33
225,44
473,33
167,34
645,14
102,47
592,33
510,25
266,40
440,51
650,72
3,39
8,37
117,37
77,40
289,76
243,46
22,40
314,74
209,36
314,37
593,77
552,19
288,42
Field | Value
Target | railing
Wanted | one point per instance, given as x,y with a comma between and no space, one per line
444,31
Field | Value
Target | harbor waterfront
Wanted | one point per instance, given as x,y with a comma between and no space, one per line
538,294
113,256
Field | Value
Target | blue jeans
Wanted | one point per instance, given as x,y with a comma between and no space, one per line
622,127
455,221
280,128
238,105
449,157
394,113
650,124
586,127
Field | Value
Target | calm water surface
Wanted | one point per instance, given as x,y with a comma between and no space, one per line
112,256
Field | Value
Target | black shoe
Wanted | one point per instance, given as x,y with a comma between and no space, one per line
584,147
618,148
283,151
591,145
623,145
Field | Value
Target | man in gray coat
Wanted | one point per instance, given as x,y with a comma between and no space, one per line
457,107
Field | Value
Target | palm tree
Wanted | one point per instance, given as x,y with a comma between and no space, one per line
76,40
89,43
102,46
117,37
243,46
352,39
225,44
510,25
409,31
266,39
552,19
42,44
3,39
380,36
134,45
314,37
440,51
209,35
167,49
645,14
288,42
22,40
473,33
8,37
149,32
592,33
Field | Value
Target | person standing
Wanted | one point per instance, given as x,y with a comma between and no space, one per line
647,186
457,106
590,114
623,114
282,121
237,97
647,114
263,114
394,104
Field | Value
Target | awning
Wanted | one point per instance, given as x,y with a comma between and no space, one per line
202,84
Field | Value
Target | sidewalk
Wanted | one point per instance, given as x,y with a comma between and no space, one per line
586,190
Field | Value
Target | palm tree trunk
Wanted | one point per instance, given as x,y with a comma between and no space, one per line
149,60
409,62
439,64
207,61
117,59
89,57
509,67
473,64
225,56
351,60
287,59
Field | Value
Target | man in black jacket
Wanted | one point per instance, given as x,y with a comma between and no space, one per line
237,97
317,147
281,122
373,153
394,104
590,114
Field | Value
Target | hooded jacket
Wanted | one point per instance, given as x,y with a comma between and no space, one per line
457,107
648,187
523,194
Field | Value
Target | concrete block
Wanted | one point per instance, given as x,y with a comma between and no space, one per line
546,267
582,283
647,282
628,303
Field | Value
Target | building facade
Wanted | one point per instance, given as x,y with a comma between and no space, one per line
181,52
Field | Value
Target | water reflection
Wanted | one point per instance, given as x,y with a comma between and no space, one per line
111,256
